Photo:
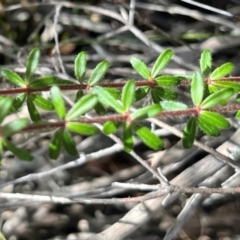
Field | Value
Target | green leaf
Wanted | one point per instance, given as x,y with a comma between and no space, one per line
161,62
156,95
107,99
33,112
110,127
58,102
146,112
207,128
20,153
168,94
18,101
5,105
206,62
215,118
127,138
168,105
98,73
212,88
69,143
32,63
148,137
227,84
114,92
41,102
82,106
159,93
42,82
222,71
216,98
189,133
167,80
82,128
238,114
79,95
12,77
128,94
80,66
141,92
99,109
140,68
14,127
55,145
197,88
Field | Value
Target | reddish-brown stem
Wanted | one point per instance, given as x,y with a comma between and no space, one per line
230,108
45,125
70,87
122,118
190,111
140,83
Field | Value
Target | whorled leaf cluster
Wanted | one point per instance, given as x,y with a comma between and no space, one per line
208,89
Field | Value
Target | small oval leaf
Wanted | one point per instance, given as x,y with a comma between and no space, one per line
110,127
33,112
32,63
18,101
82,128
55,145
161,62
156,95
41,82
226,84
116,93
206,62
14,127
207,128
69,143
141,92
159,93
98,73
189,133
12,77
168,80
128,94
238,114
222,71
127,138
148,137
212,89
99,109
5,106
82,106
140,68
79,94
146,112
20,153
216,98
168,105
80,66
107,99
197,88
215,118
42,102
58,102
